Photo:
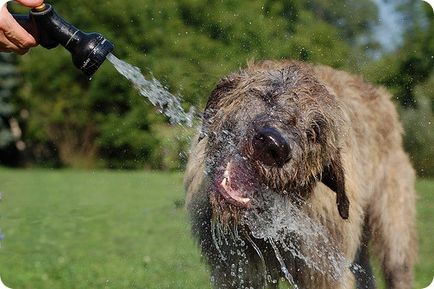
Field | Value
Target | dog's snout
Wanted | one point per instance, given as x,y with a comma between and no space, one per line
270,147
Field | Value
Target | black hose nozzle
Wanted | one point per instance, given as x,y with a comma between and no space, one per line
88,50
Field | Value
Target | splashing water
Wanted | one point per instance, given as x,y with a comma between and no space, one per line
157,94
283,268
289,230
275,218
283,225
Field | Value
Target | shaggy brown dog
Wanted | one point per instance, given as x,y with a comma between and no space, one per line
296,168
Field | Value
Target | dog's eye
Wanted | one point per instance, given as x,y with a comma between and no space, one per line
313,133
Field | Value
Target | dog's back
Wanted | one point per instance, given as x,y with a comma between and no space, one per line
383,179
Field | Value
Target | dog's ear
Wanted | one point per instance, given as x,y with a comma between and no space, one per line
333,177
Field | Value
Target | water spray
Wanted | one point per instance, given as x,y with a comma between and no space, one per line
88,50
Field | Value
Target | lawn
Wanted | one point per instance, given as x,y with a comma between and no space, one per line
118,230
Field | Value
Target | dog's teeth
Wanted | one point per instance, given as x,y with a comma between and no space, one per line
229,192
227,170
226,174
224,183
243,200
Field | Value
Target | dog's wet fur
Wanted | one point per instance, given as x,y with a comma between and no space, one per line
328,142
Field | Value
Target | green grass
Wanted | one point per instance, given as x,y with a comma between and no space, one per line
425,225
73,230
83,229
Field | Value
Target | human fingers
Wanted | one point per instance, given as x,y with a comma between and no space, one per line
7,46
31,3
14,32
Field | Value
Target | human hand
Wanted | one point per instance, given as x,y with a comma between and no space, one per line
13,37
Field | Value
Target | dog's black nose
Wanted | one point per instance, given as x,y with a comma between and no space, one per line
270,147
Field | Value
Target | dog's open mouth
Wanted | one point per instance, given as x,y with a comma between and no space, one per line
236,184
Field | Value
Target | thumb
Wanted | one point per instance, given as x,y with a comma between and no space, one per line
30,3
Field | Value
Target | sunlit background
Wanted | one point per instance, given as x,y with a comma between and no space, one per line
91,182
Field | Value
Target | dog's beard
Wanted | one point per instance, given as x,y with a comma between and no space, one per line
250,204
276,219
273,217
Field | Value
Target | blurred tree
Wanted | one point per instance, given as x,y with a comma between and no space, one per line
354,19
419,127
188,45
413,62
8,81
356,22
409,75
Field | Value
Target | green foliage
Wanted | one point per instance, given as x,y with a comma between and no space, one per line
174,147
355,19
409,74
108,229
412,64
188,45
419,127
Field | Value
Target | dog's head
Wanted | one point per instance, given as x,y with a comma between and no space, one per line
272,127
